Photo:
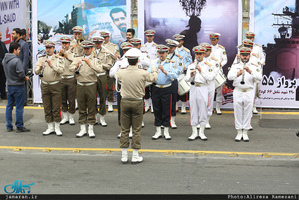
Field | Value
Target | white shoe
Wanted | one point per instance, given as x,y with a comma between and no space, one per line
76,104
183,108
136,158
90,131
172,122
218,111
202,134
131,133
152,108
119,135
82,131
245,136
208,126
71,119
158,133
239,136
110,106
50,129
65,118
146,105
57,129
198,126
142,125
194,134
254,110
124,155
102,121
166,133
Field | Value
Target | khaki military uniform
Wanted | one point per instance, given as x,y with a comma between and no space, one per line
87,88
132,92
50,86
102,78
68,86
110,62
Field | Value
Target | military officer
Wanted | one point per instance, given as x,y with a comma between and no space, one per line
49,68
100,55
243,76
258,52
172,44
122,63
162,92
186,57
68,83
218,51
132,91
150,48
86,68
213,70
198,75
76,49
112,53
145,60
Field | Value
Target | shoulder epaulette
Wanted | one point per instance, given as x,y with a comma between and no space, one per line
241,45
254,64
186,49
178,55
42,56
255,55
222,47
213,58
171,61
155,44
142,45
208,64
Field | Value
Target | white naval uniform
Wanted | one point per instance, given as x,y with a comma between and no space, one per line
150,48
243,94
218,51
199,93
213,70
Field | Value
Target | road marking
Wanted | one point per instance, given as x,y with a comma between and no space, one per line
167,152
228,112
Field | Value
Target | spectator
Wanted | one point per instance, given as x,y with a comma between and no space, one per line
16,78
3,51
23,34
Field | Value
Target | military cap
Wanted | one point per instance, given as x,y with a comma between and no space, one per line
126,45
135,41
65,39
162,48
86,44
97,39
250,34
206,45
214,35
133,53
150,32
49,43
105,33
199,49
245,50
78,29
247,43
171,43
178,37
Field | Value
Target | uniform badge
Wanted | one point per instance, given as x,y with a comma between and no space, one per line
210,70
174,67
259,63
224,52
217,65
180,64
257,70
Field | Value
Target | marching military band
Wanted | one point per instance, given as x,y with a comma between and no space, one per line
164,74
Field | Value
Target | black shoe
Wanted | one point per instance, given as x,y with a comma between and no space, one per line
23,130
4,97
9,130
297,134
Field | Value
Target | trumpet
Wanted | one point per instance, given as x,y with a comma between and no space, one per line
42,71
81,39
77,71
62,53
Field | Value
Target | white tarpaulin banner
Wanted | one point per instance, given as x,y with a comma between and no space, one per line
12,15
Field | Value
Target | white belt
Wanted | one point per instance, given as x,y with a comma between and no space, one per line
67,76
85,84
50,83
199,84
243,90
163,86
101,74
126,98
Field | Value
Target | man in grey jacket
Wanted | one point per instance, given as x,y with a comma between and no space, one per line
15,81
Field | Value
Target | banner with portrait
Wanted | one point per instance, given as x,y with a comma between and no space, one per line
198,18
276,29
57,18
12,15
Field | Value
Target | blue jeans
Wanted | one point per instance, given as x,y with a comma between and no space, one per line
15,94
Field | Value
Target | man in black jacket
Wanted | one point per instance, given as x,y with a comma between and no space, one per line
3,51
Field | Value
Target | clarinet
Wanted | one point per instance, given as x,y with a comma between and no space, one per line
243,74
196,61
42,71
77,71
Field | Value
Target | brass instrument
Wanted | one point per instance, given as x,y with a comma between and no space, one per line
62,53
81,39
77,71
42,71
